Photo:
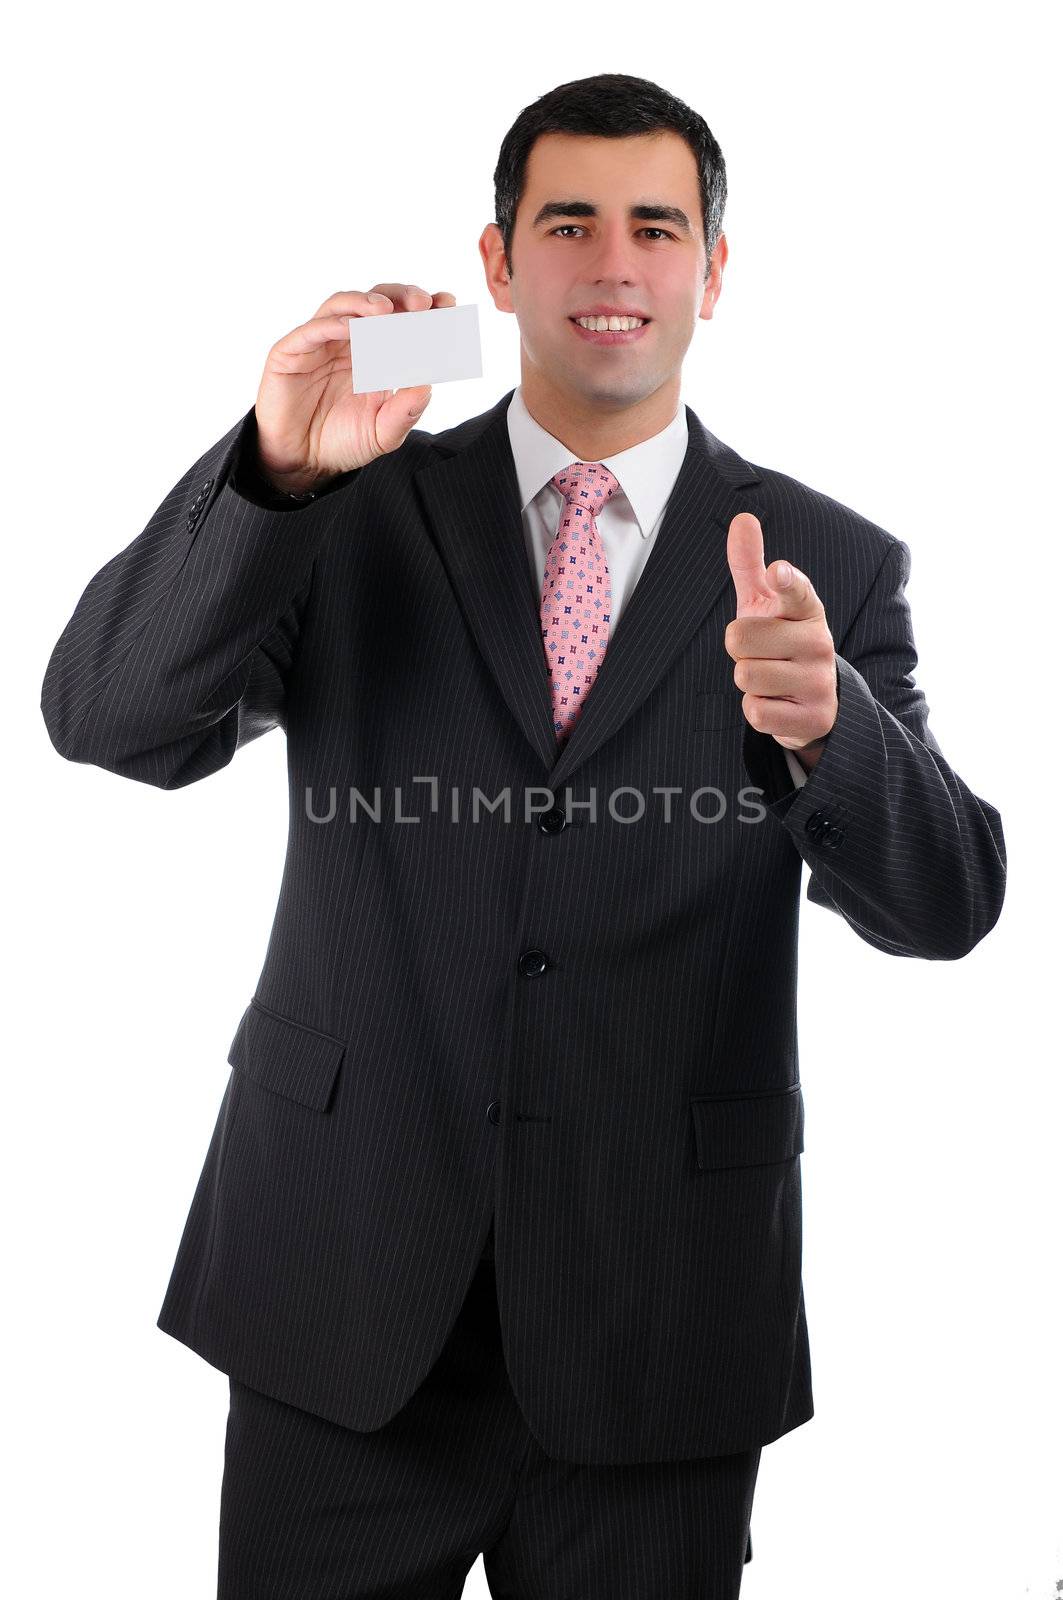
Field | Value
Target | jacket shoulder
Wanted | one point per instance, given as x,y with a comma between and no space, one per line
792,508
796,506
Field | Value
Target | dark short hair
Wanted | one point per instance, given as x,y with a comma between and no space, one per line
611,105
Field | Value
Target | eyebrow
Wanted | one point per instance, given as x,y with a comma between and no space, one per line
584,208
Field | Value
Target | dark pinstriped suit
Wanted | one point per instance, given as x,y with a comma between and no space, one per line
399,1076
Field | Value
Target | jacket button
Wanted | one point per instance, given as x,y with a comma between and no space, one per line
552,821
494,1112
531,963
813,822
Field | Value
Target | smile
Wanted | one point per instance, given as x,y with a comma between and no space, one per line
609,336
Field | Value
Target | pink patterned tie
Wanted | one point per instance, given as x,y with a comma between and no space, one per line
577,595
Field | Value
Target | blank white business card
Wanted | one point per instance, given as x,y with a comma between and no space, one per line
402,349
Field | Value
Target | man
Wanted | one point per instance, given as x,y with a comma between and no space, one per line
499,1232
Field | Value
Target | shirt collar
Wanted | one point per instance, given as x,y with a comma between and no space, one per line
646,472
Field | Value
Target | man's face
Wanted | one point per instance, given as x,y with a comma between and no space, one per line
566,262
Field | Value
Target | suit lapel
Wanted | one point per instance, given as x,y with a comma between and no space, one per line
472,504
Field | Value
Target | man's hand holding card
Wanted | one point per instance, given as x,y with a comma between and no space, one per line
316,416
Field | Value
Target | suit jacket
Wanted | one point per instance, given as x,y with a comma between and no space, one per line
579,1022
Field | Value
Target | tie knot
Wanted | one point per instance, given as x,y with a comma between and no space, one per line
586,486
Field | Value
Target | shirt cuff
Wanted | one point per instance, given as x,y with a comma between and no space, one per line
797,771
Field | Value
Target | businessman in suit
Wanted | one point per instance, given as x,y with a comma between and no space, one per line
498,1235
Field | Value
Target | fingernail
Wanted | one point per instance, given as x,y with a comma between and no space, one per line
376,297
785,572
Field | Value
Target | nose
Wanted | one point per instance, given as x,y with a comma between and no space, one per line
615,258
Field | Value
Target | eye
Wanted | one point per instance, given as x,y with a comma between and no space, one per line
566,225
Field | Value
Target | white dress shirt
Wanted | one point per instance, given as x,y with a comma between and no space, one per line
628,523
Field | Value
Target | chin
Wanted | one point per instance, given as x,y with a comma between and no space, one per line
619,393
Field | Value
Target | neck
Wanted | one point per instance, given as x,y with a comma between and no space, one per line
591,427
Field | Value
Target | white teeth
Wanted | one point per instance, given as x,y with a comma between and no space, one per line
609,324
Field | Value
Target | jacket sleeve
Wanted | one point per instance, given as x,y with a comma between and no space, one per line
179,649
896,842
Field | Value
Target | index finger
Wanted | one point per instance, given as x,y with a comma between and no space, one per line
403,297
767,638
356,301
798,602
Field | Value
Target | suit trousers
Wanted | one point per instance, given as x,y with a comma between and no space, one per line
311,1510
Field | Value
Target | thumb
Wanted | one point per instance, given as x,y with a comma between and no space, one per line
399,413
745,557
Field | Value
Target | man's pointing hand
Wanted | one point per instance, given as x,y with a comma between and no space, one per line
781,646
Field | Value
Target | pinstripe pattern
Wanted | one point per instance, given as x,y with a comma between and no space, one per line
627,1106
314,1511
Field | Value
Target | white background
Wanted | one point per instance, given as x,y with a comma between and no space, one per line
184,190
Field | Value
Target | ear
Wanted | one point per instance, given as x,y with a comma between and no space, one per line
493,255
714,281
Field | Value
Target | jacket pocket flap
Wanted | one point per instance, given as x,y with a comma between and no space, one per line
287,1057
747,1130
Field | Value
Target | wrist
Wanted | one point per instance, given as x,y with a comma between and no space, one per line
809,754
296,485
